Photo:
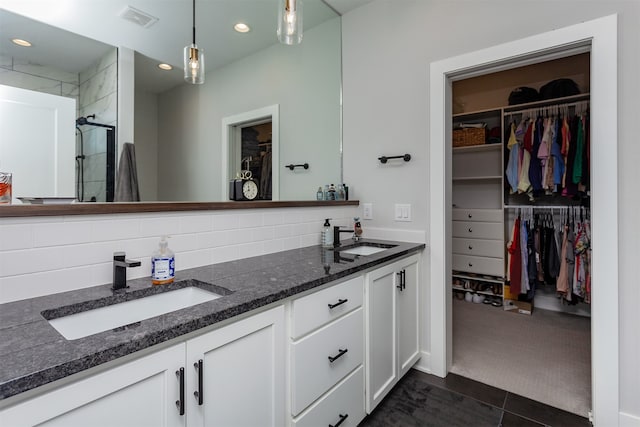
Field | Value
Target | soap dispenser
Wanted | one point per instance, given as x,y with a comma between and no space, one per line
163,265
327,234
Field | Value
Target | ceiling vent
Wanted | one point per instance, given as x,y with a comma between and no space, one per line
138,17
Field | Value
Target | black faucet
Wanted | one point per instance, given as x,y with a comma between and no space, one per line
120,265
336,234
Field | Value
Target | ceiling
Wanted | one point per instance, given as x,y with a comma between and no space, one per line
161,42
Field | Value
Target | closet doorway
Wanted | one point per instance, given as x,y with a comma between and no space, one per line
530,335
600,38
250,142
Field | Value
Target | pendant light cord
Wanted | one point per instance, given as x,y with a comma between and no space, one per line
194,22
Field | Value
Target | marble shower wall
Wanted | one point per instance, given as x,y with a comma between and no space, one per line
97,95
21,73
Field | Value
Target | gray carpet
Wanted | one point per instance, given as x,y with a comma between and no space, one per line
545,357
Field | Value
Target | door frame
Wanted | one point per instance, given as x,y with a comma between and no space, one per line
231,124
600,37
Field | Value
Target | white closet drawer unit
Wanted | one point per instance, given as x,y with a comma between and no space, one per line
321,359
482,215
479,247
480,265
322,307
345,401
478,230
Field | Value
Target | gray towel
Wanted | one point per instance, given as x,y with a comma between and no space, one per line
127,178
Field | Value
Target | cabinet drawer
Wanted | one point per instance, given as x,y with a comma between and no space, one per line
346,399
322,307
483,215
479,247
480,265
478,230
312,372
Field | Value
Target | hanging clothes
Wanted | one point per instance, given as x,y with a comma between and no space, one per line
515,264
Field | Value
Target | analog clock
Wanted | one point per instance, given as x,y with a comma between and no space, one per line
249,189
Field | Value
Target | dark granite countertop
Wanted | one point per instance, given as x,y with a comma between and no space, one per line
33,353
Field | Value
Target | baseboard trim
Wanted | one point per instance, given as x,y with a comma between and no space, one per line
628,420
424,364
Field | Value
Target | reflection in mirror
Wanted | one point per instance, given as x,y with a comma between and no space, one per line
43,90
177,129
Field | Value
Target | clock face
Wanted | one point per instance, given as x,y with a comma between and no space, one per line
250,190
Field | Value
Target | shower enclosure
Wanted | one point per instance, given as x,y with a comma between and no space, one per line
95,160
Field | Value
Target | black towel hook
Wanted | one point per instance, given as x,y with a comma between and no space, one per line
292,166
384,159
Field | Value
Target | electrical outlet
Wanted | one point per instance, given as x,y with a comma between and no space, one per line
367,211
402,212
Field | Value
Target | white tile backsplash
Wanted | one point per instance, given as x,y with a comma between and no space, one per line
40,256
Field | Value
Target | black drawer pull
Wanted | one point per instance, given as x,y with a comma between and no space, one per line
470,230
180,403
470,216
470,247
341,352
342,418
198,394
340,302
470,265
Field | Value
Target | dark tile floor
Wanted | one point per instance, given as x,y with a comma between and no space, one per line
421,399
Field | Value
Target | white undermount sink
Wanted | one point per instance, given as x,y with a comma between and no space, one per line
102,319
363,250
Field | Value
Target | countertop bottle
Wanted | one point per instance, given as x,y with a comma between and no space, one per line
163,265
320,194
327,234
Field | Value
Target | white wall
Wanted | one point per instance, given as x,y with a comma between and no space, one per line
146,143
304,80
387,48
40,256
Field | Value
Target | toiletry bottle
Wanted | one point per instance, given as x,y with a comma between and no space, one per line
163,264
319,194
327,234
357,228
340,193
332,192
346,191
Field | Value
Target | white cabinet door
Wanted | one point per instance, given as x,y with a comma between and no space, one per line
381,342
139,393
408,318
392,326
243,373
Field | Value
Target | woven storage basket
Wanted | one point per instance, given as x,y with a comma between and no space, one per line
469,136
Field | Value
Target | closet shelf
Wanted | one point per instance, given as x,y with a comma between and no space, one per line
478,178
476,148
458,288
479,278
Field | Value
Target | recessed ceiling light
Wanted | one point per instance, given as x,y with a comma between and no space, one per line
21,42
166,67
241,27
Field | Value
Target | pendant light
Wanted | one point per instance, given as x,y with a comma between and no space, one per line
290,21
194,58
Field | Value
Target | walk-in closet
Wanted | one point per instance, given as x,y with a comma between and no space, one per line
521,232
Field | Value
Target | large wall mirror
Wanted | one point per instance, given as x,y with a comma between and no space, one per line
186,142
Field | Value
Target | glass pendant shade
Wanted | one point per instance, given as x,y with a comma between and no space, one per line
290,21
193,64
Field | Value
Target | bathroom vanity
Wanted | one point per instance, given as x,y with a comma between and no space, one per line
304,337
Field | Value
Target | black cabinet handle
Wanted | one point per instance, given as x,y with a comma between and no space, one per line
470,247
470,216
341,353
470,265
400,285
340,302
342,418
198,394
180,403
404,279
470,230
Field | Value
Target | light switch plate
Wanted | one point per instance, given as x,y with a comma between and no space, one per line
367,209
402,212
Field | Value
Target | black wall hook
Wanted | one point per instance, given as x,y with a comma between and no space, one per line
292,167
384,159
